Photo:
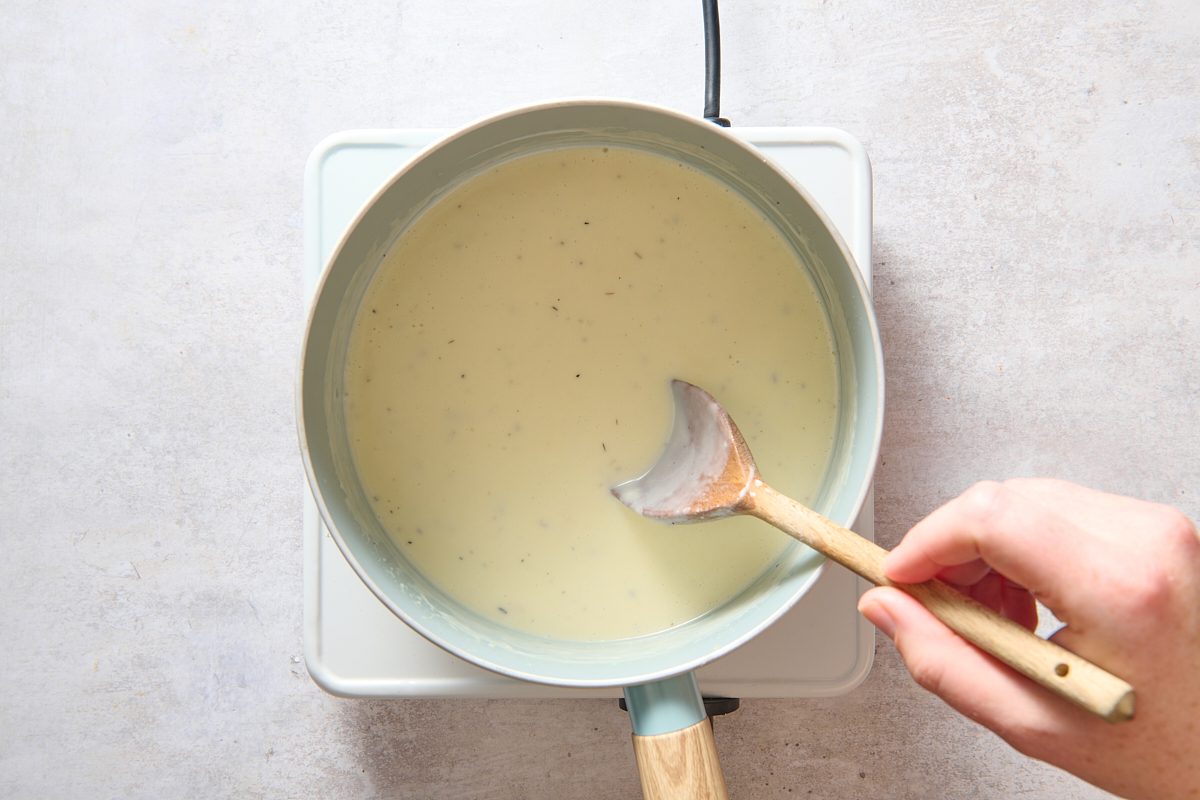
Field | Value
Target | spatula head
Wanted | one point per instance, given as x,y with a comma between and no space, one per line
705,471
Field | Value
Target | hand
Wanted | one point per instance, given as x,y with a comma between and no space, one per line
1123,574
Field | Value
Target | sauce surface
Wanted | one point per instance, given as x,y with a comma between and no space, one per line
511,361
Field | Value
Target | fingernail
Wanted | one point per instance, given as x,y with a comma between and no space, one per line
879,617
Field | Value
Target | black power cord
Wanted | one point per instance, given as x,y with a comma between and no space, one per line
712,64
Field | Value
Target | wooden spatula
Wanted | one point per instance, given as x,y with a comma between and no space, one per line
706,471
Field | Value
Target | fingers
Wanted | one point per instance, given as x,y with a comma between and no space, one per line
989,591
967,574
1017,534
968,680
1019,605
1004,597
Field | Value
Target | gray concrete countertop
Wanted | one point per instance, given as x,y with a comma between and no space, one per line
1037,267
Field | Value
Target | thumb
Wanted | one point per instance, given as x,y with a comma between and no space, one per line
969,680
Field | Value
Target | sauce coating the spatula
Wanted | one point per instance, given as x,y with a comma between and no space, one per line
510,362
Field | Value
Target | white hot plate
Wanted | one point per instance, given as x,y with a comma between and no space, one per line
354,646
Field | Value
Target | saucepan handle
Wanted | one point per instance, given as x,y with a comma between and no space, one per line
673,741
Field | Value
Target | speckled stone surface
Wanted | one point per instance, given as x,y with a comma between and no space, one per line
1037,265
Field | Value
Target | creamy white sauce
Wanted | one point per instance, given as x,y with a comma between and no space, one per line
511,362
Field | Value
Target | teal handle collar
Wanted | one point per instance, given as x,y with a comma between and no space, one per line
671,704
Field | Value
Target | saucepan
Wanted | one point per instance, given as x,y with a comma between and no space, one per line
673,739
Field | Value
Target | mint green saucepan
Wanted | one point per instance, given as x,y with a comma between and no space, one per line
673,739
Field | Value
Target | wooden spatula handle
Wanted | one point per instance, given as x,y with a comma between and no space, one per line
1052,666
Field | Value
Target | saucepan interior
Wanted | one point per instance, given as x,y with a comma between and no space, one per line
330,467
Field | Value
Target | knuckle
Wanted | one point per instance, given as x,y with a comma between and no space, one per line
1153,587
1178,531
985,500
1150,591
